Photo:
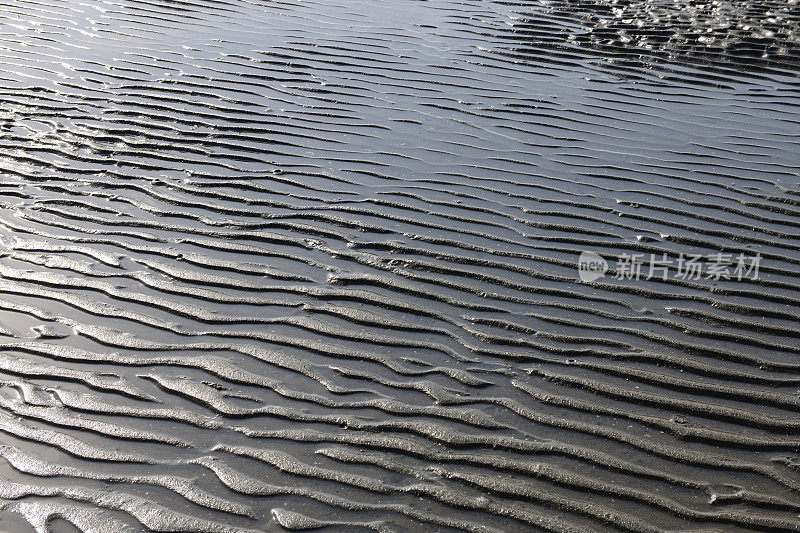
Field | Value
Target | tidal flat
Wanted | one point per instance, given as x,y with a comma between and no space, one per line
400,265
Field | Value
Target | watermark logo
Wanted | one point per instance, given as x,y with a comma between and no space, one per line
718,266
591,266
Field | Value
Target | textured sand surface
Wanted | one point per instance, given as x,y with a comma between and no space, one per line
307,264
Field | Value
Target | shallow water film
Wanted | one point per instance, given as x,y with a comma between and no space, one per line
399,265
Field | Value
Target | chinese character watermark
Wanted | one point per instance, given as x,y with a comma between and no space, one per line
717,266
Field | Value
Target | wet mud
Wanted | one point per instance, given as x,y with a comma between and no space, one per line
271,265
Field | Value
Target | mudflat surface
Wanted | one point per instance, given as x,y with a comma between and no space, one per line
302,264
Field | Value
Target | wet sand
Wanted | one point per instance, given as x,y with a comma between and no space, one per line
299,265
